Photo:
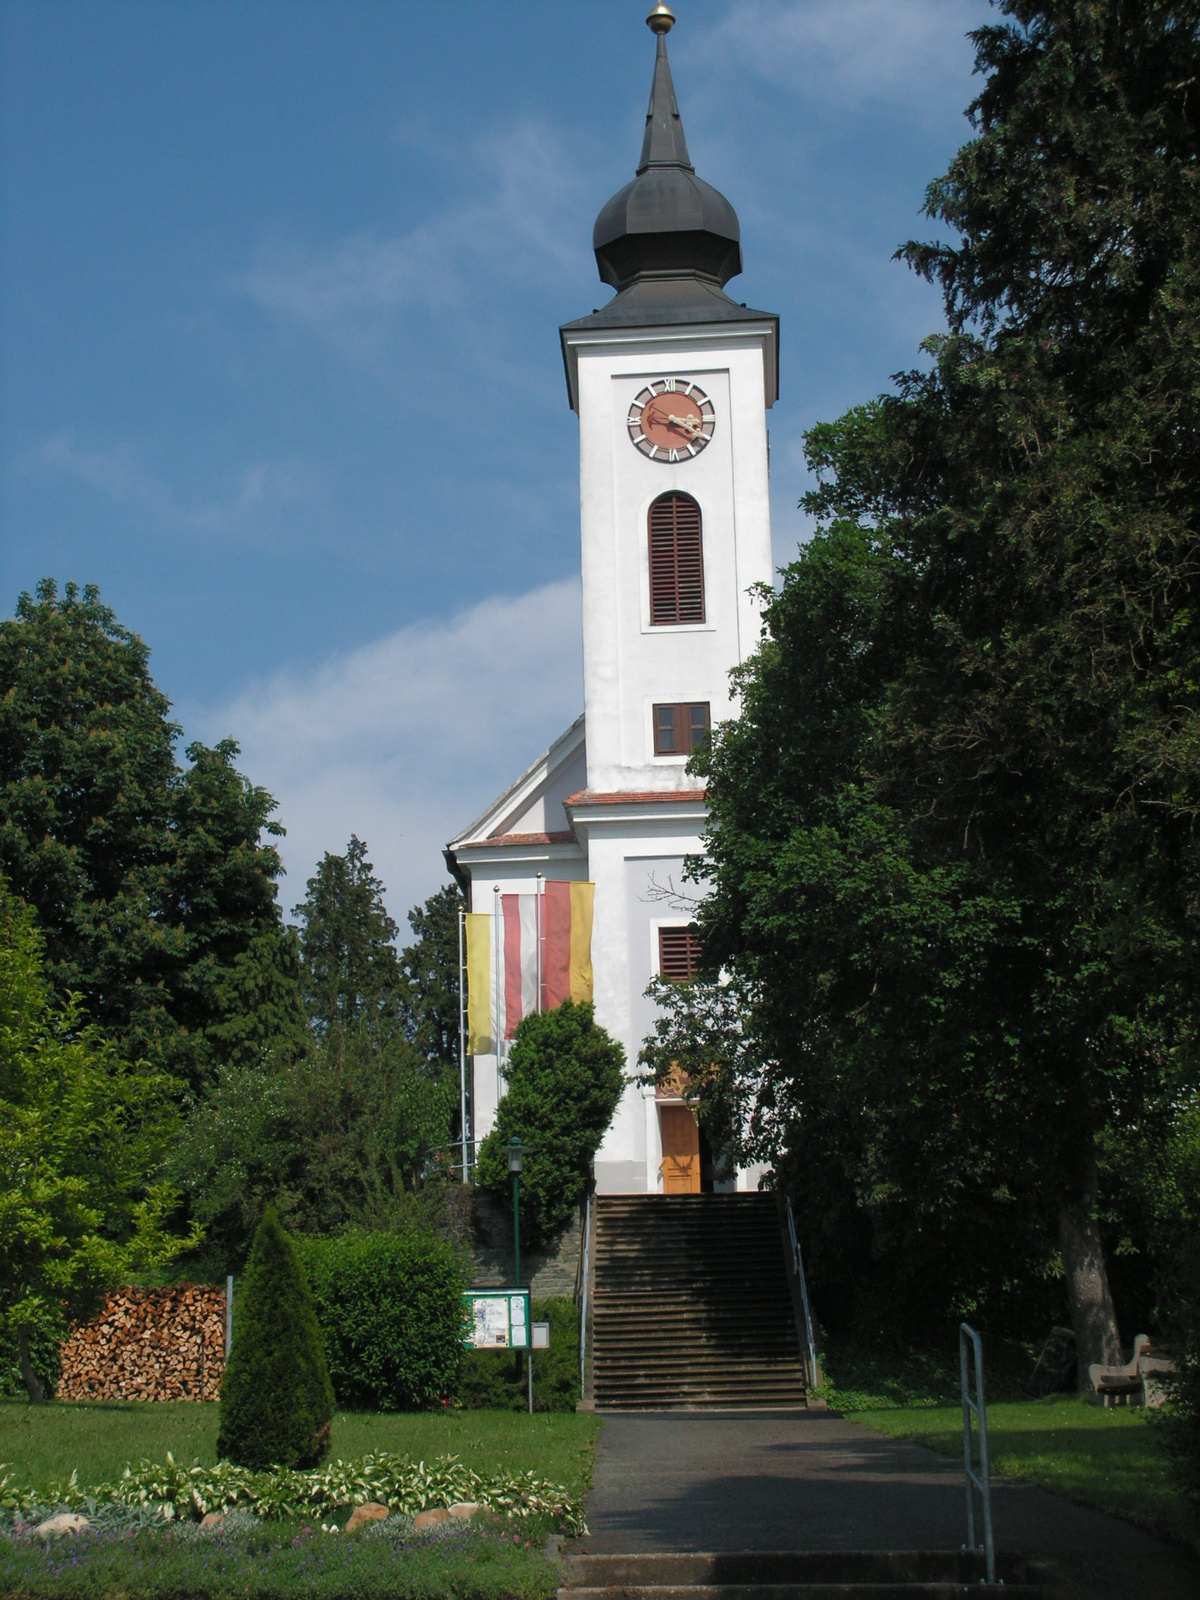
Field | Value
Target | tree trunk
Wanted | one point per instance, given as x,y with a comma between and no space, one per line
1092,1314
28,1376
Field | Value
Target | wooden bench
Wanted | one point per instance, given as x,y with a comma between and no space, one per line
1134,1382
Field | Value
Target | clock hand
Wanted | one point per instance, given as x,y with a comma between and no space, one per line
692,427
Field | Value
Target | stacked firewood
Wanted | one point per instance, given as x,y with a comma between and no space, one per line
148,1344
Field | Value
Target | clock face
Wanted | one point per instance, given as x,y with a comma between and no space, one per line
672,419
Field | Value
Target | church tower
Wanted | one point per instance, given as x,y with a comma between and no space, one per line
671,381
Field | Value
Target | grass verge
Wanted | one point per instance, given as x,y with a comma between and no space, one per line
45,1443
1110,1459
492,1558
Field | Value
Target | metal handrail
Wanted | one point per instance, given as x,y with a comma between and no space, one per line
814,1376
968,1339
583,1299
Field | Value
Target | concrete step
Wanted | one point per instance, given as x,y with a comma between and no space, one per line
800,1575
700,1355
627,1394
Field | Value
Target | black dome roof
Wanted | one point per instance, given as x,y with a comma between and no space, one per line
667,221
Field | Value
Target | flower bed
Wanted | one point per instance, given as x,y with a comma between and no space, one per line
174,1492
253,1558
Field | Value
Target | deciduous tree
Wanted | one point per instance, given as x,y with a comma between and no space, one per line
83,1137
153,884
953,836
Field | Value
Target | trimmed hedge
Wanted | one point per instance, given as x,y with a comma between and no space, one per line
490,1382
390,1308
276,1399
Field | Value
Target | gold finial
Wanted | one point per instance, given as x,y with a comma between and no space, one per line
661,19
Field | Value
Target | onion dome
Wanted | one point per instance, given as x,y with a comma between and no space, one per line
667,222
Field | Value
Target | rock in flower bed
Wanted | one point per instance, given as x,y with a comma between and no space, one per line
189,1493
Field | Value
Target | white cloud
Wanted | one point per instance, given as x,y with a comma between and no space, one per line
853,50
120,474
406,739
517,212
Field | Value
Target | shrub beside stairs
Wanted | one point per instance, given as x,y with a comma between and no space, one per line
692,1305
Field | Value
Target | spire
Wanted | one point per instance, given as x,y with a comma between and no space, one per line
664,144
666,223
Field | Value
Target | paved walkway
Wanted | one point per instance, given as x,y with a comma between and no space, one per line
813,1481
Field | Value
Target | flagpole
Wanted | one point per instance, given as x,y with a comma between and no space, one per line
537,910
462,1043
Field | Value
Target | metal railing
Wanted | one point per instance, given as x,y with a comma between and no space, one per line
583,1296
969,1344
811,1370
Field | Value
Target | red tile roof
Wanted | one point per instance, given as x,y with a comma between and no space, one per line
633,797
563,837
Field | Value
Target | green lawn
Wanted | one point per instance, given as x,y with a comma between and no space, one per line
1106,1458
495,1558
42,1443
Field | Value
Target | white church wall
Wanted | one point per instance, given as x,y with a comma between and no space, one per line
544,812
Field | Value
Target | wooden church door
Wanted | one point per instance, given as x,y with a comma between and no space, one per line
681,1150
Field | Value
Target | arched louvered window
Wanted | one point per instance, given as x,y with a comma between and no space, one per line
676,560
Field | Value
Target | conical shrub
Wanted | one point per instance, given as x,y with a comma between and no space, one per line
276,1398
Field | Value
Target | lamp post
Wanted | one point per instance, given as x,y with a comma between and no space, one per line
516,1161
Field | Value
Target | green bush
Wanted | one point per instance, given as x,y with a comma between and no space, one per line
390,1308
565,1077
276,1398
489,1378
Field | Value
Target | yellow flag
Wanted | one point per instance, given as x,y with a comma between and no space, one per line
479,984
582,899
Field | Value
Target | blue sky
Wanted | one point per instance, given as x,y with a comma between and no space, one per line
261,256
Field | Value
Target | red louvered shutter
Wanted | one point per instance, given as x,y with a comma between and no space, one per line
679,952
676,560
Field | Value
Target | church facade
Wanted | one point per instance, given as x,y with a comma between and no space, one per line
671,382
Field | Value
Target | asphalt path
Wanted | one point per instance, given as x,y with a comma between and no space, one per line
716,1481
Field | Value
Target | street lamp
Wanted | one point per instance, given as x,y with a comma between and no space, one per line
516,1161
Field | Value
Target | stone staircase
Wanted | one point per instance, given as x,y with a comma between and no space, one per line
692,1306
805,1575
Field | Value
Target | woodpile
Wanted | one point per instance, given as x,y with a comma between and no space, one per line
148,1344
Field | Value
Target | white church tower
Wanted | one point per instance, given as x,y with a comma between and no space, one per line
671,381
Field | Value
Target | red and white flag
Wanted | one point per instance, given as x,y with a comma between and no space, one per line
541,946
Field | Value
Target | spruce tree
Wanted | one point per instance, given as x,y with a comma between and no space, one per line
350,964
276,1397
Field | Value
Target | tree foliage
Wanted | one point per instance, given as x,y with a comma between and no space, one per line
343,1134
430,972
565,1077
348,946
276,1398
83,1136
953,835
152,883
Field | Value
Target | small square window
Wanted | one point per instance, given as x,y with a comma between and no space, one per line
678,729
